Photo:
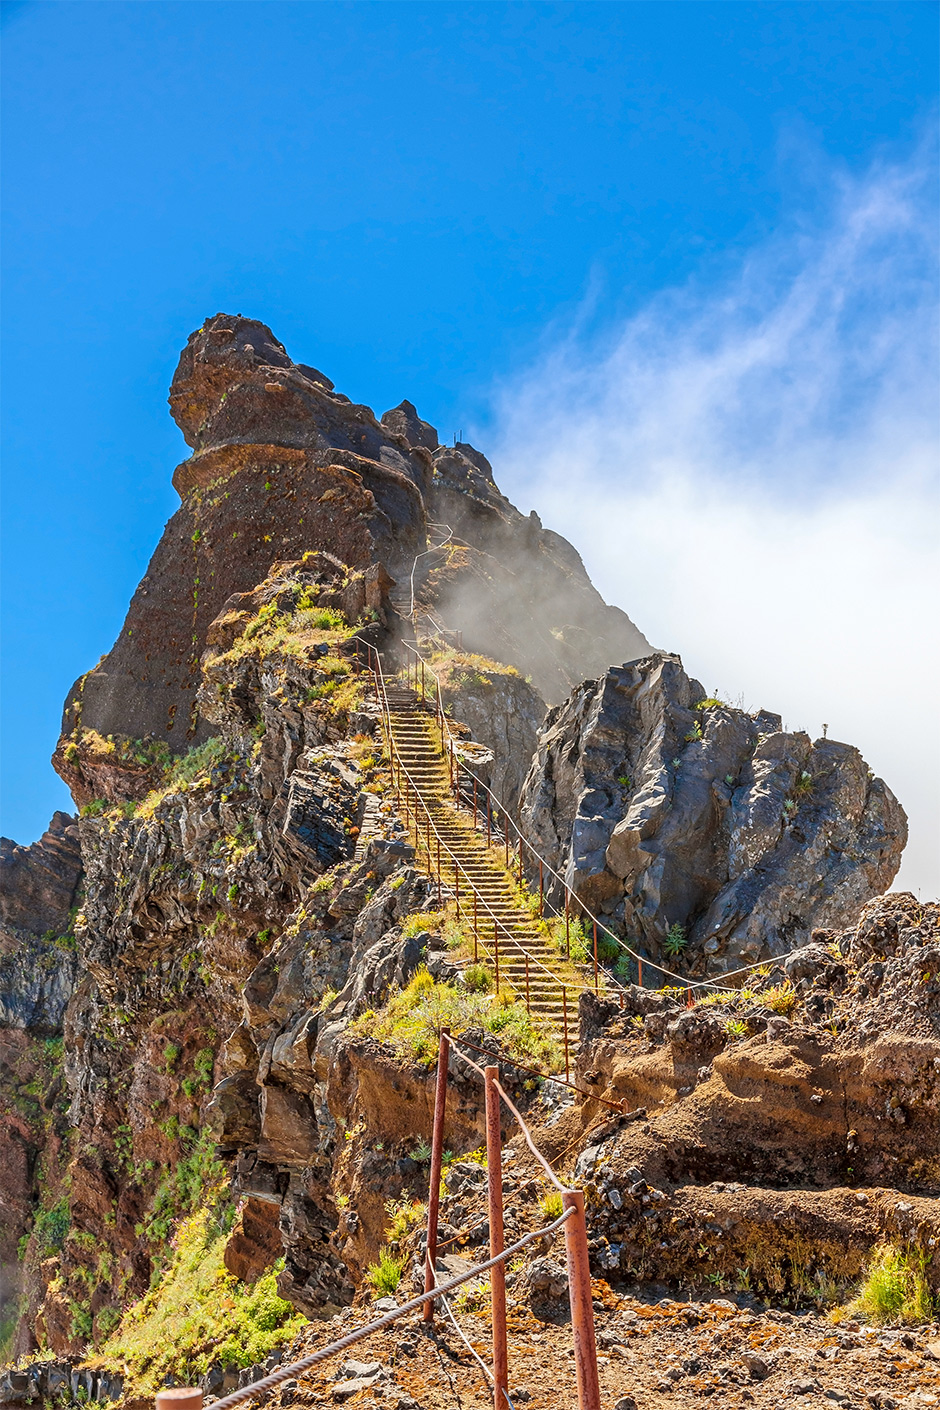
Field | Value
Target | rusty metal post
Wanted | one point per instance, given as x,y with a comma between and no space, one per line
181,1398
582,1311
437,1155
494,1183
595,957
639,966
564,1016
567,923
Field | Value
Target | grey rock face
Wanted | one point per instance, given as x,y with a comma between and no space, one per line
662,809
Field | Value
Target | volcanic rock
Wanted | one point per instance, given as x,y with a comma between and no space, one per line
673,812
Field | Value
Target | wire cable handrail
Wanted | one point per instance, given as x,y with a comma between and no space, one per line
683,981
459,867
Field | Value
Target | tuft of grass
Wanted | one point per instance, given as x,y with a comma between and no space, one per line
550,1205
895,1288
420,922
736,1028
780,999
385,1275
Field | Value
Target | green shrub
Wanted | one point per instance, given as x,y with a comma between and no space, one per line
607,947
385,1275
895,1287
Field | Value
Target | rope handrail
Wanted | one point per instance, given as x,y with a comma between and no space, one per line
286,1373
545,1076
683,981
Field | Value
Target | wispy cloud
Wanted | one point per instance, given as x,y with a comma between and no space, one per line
750,469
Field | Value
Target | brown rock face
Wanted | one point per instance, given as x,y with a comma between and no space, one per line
38,883
285,465
282,466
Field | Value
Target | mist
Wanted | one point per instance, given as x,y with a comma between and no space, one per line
748,466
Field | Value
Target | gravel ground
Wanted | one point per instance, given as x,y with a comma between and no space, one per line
662,1355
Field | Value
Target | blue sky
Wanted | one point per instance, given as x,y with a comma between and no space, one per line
424,200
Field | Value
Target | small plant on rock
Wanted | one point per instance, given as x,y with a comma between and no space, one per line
676,940
385,1275
420,922
780,999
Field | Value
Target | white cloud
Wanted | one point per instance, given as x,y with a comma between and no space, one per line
751,471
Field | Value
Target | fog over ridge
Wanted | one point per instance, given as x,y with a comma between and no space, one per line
750,470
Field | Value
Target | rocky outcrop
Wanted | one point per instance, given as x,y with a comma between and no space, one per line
283,464
503,713
804,1114
39,883
252,899
666,809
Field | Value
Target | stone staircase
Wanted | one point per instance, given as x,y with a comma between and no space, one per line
417,745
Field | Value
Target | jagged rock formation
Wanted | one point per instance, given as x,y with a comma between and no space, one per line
245,901
664,808
283,464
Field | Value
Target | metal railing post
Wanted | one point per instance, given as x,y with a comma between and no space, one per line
582,1311
494,1182
595,957
181,1398
437,1154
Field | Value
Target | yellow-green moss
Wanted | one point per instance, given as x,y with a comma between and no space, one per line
197,1312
